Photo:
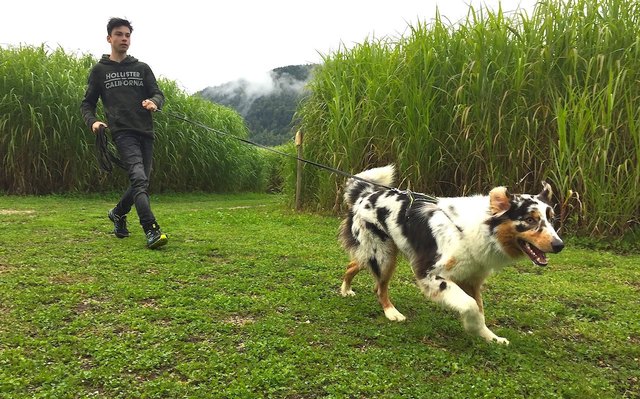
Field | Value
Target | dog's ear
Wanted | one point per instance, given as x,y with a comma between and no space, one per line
546,193
499,201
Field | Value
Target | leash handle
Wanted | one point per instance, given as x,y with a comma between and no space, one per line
106,158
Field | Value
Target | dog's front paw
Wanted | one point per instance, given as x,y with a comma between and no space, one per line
489,336
345,290
347,293
500,340
393,314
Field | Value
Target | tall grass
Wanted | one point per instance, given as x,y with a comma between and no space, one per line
42,135
495,100
45,146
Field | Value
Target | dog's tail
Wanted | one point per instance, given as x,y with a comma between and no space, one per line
356,188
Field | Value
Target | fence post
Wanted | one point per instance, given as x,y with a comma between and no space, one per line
299,136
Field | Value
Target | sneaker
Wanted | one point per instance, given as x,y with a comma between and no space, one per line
155,237
119,224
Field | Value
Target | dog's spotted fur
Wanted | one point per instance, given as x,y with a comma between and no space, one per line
453,244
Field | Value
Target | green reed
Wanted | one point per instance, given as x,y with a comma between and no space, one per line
45,146
494,100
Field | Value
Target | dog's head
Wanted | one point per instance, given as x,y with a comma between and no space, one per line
523,225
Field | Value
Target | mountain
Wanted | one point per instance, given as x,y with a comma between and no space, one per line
268,107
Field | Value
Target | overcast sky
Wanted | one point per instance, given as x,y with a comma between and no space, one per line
205,43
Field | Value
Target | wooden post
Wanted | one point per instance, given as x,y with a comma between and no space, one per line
299,136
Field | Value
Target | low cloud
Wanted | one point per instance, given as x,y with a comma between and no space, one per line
243,92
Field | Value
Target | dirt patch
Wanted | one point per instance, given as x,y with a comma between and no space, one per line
239,320
70,279
16,212
240,207
6,268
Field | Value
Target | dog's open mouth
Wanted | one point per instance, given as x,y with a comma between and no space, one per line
536,255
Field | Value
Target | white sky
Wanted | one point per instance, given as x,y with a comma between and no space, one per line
205,43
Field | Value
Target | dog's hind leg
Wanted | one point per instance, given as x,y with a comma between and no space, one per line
352,269
382,291
453,297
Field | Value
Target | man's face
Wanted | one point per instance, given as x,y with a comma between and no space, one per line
120,39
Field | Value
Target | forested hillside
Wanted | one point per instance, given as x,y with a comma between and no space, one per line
268,107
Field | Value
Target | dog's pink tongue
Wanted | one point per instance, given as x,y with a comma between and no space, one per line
537,256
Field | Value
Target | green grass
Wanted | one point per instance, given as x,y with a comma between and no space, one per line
243,303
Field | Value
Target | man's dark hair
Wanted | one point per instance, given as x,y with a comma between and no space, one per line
116,22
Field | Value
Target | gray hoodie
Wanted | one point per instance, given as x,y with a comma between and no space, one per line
122,86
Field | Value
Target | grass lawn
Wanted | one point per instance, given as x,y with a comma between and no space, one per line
243,303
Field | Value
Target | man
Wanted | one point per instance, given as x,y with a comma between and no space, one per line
130,94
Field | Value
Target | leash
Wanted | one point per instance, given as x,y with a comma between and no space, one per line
316,164
106,158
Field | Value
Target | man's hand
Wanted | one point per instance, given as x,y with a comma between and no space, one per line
96,126
149,105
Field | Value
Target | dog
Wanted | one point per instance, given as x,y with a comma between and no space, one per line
452,244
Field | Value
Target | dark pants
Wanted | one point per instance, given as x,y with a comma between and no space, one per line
136,152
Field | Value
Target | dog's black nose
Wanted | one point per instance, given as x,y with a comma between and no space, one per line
557,246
